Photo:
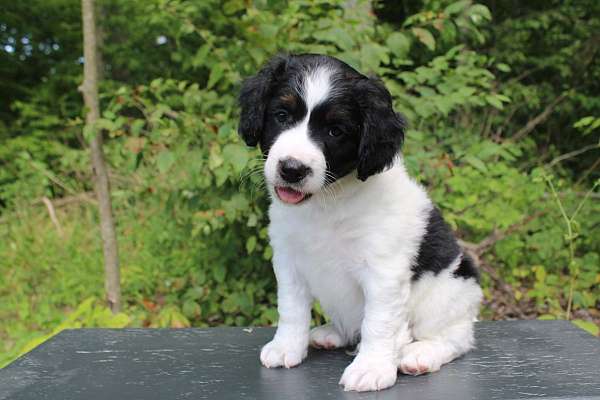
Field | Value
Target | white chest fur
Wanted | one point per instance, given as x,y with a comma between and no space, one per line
331,242
354,254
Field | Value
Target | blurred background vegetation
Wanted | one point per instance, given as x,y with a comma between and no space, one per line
503,99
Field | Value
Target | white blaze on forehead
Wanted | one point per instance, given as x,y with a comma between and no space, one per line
295,142
316,87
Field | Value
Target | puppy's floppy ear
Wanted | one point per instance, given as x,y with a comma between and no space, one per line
382,129
254,98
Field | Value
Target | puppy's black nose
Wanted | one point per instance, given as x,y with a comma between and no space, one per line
292,170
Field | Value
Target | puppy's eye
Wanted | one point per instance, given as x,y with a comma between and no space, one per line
335,132
281,116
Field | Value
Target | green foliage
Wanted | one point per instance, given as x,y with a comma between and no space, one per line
88,314
188,195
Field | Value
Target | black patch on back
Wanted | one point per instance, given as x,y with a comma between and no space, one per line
438,249
467,269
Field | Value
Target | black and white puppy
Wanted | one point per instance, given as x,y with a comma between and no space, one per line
351,229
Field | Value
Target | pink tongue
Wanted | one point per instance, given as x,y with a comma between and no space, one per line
289,195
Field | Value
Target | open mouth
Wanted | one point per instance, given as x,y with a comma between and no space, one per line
290,196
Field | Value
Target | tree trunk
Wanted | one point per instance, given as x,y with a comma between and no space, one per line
89,89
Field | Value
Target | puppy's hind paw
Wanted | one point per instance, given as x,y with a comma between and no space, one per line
420,357
326,337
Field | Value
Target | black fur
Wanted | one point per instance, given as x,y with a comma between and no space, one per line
256,92
341,152
383,129
438,249
360,108
467,269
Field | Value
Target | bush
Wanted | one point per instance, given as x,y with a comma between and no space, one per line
188,195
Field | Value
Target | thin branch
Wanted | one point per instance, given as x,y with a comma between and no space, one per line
540,118
582,202
521,76
573,153
504,287
505,123
52,214
53,178
496,235
86,197
577,194
588,172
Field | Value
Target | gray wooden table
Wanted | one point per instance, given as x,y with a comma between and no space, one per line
513,360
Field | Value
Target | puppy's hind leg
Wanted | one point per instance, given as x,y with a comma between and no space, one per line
429,354
443,310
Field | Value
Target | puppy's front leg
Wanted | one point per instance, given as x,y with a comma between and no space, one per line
384,331
290,344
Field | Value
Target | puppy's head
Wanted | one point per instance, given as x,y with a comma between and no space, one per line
317,120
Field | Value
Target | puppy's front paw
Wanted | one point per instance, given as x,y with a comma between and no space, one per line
326,337
281,354
369,374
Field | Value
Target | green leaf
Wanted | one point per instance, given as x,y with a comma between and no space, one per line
103,123
503,67
233,6
191,309
215,158
372,55
268,253
237,155
251,244
457,7
165,160
268,30
136,126
585,121
475,163
425,37
219,273
540,273
494,101
587,124
109,114
337,36
479,10
215,74
399,44
587,326
89,132
119,320
271,315
252,220
503,98
221,175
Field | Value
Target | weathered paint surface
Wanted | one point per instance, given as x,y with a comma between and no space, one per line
513,360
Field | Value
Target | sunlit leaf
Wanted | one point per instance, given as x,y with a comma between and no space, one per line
425,37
